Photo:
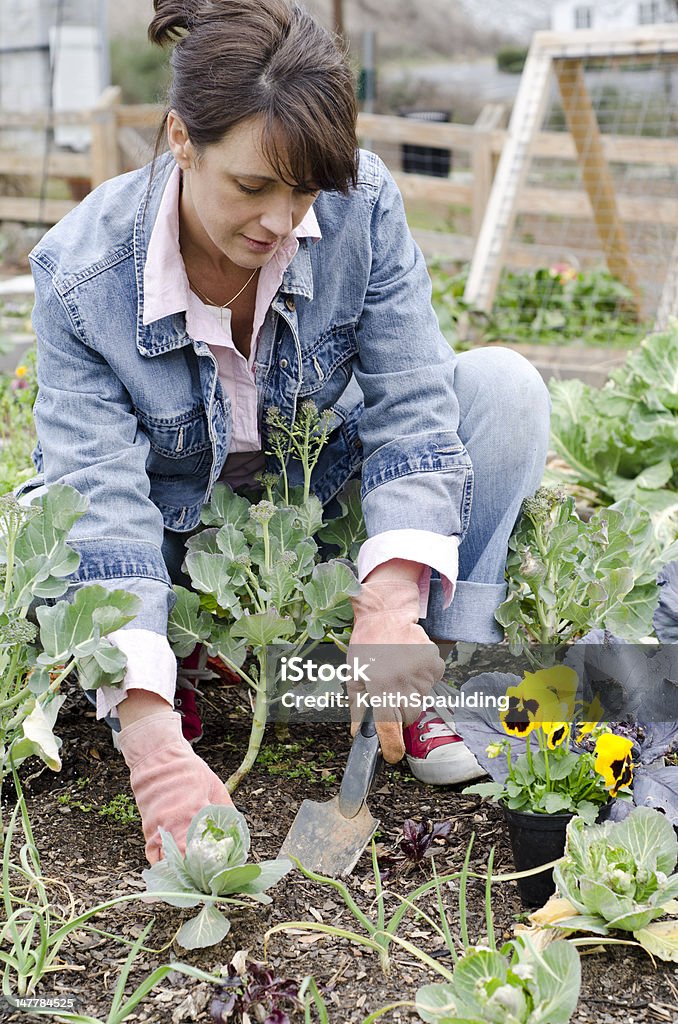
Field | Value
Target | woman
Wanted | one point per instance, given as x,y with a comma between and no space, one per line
260,262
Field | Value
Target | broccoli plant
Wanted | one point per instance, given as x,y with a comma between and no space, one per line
304,440
258,579
567,577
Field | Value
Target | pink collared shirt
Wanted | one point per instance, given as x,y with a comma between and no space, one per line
150,662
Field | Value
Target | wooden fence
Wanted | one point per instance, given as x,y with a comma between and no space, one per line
120,141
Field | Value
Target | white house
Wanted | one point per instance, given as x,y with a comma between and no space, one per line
567,15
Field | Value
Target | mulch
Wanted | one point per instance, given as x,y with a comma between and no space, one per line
96,858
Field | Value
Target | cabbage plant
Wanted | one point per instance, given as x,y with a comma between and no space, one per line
619,874
214,866
517,985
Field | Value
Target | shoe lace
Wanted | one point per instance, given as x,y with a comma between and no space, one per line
432,727
436,722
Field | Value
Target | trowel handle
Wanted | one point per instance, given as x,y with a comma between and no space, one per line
363,761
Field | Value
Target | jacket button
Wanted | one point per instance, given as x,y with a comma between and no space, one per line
283,364
290,304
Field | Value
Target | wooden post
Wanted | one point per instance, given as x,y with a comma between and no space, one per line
500,215
104,150
483,163
668,303
596,174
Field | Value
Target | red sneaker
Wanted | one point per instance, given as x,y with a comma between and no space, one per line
436,755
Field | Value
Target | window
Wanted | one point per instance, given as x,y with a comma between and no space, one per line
583,17
650,13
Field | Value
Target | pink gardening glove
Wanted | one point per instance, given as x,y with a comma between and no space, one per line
169,781
398,656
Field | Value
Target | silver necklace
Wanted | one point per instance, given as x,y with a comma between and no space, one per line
216,304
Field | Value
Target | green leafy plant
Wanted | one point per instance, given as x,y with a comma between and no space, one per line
257,580
35,561
551,306
121,809
621,441
618,875
35,929
283,759
212,871
567,577
517,984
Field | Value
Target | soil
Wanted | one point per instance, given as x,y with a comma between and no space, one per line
95,858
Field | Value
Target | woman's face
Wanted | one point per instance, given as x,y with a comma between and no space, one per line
232,202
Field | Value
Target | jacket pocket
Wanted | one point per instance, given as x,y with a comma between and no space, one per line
326,365
180,445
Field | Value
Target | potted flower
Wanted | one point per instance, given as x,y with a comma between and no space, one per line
544,776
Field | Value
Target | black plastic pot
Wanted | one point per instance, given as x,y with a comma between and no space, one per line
536,839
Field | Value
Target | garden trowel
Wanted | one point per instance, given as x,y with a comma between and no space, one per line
329,837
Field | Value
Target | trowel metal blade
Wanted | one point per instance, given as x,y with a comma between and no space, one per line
326,842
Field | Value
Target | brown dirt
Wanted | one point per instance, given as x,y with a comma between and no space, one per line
97,858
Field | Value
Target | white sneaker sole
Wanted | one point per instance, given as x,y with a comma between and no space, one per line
460,767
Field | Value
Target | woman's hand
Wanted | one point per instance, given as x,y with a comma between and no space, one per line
169,781
398,658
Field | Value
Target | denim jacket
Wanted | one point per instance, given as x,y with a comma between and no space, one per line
134,417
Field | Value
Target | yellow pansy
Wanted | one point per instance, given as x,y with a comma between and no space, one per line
544,696
518,719
613,761
595,714
557,683
556,733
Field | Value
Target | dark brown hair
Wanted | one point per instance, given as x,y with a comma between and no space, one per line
238,59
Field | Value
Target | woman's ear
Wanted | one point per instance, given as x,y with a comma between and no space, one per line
179,143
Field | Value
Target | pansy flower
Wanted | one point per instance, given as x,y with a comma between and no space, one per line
559,683
613,761
523,707
544,697
595,714
556,733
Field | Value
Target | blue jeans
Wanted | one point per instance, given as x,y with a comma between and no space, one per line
504,423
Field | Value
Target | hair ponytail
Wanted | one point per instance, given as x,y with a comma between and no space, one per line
235,60
172,19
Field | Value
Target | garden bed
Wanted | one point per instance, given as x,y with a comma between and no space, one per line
98,857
